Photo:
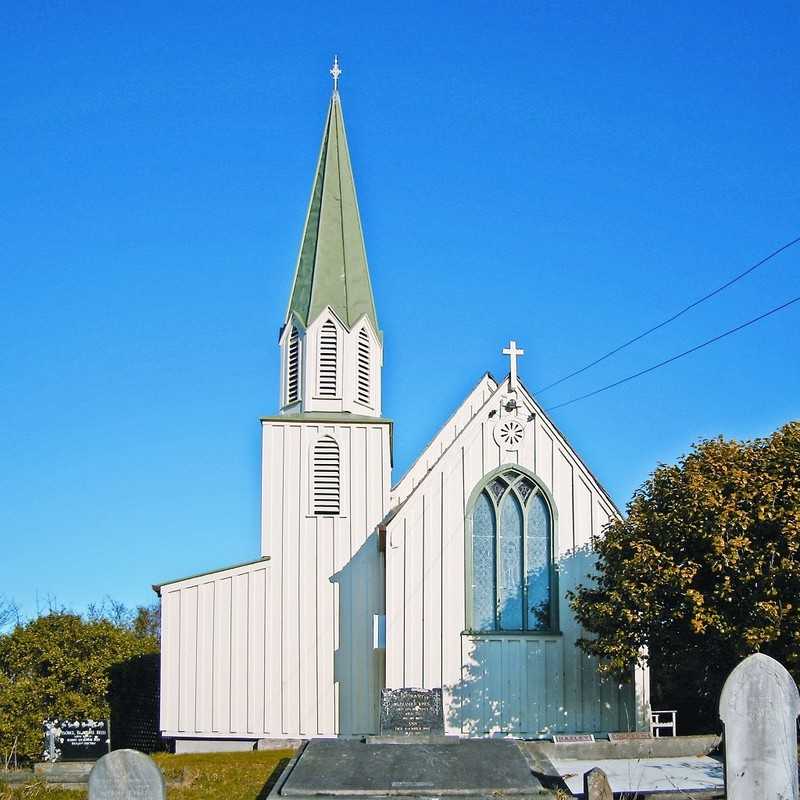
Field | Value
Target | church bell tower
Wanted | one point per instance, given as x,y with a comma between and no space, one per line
331,346
326,469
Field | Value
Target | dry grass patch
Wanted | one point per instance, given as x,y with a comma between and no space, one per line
200,776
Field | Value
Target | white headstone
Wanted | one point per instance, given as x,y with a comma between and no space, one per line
759,708
126,775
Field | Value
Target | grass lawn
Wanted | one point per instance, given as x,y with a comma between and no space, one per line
206,776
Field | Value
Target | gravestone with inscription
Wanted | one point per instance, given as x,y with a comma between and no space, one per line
759,707
410,758
411,712
75,739
126,775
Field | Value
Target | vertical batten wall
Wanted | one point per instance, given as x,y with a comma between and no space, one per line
214,657
426,587
283,648
327,578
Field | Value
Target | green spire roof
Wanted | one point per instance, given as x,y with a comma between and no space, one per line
332,266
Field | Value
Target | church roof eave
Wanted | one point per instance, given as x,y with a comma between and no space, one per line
539,410
157,587
448,422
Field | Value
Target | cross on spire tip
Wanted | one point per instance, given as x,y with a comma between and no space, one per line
335,72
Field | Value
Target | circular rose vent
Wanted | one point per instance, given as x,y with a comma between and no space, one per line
510,433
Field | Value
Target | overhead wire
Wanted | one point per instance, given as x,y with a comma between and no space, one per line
675,316
675,357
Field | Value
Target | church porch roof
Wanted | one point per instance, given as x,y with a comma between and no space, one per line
158,586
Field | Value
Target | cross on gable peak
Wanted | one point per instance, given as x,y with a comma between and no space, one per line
513,352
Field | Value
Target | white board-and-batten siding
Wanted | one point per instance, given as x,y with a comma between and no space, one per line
215,652
284,648
493,683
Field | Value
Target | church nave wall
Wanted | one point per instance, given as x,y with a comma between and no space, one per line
427,641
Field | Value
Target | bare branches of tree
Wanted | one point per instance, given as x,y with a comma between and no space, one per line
9,613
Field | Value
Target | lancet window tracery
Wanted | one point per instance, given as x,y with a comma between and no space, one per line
511,538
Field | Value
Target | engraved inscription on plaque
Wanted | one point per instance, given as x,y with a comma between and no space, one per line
573,738
75,739
406,712
412,785
622,736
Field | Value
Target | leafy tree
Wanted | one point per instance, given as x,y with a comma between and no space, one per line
704,570
57,666
147,621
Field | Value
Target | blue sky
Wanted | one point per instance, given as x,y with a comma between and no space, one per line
565,174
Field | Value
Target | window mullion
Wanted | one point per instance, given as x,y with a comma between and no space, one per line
497,562
524,568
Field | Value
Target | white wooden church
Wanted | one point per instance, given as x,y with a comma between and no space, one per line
454,576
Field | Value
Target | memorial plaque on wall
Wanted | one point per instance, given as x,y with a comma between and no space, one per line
75,739
573,738
405,712
623,736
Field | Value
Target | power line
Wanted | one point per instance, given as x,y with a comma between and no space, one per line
672,318
676,357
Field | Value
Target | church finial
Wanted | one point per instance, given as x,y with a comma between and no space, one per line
335,72
513,352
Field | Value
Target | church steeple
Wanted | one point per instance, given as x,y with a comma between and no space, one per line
331,292
332,265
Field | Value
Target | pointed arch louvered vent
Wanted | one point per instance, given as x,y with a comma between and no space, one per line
326,477
293,368
327,360
362,362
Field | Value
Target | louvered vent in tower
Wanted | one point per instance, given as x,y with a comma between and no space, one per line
326,476
362,379
293,368
327,360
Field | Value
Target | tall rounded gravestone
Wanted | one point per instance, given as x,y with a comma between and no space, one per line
126,775
759,706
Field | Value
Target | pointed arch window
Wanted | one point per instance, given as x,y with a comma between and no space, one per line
328,356
511,545
327,477
363,368
293,367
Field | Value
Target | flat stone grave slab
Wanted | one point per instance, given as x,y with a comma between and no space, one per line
352,768
678,775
